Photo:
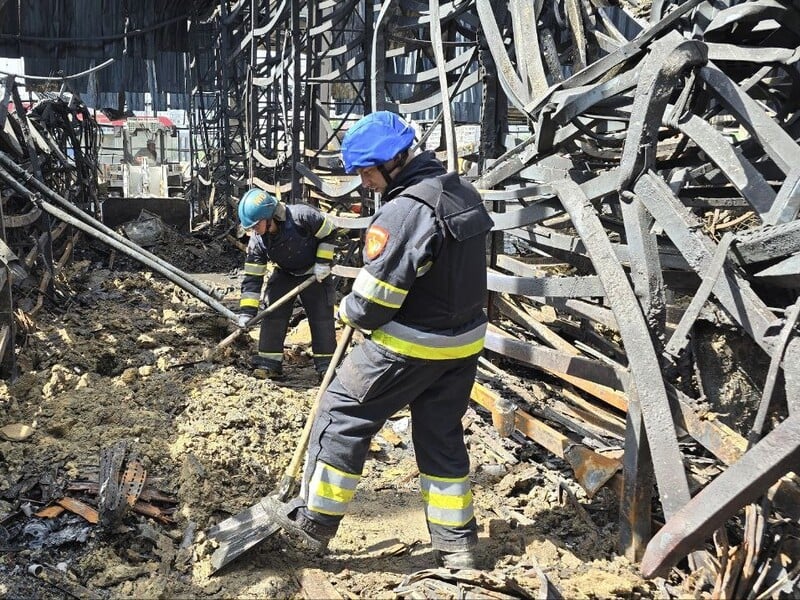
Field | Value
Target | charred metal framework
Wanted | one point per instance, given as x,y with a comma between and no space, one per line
642,170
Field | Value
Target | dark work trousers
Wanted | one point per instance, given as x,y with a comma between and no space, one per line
317,299
372,384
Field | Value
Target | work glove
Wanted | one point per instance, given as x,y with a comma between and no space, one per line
321,271
243,319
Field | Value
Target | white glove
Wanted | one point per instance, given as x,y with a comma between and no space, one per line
321,271
242,319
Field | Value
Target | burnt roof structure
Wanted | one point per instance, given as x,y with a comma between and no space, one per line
639,159
63,37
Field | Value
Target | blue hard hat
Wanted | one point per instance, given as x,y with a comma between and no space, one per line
375,139
255,205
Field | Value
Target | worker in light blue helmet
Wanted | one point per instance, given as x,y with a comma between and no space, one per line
256,205
299,241
420,298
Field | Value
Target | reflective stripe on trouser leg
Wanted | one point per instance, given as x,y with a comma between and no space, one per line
267,360
273,333
372,384
347,419
448,501
442,455
330,490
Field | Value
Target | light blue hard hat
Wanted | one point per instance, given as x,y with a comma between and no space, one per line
255,205
375,139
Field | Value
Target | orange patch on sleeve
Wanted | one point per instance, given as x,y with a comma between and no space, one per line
376,241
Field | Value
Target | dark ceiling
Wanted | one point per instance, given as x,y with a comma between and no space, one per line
147,38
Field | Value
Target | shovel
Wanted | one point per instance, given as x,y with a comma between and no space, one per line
208,354
239,533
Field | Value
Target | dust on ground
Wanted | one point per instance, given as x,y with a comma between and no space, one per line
214,439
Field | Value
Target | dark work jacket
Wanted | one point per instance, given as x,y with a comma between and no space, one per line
294,249
436,254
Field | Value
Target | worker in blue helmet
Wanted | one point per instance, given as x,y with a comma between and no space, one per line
376,147
420,298
299,241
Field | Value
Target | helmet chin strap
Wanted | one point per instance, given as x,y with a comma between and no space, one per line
387,176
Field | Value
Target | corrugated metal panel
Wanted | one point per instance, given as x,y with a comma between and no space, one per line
95,28
86,21
112,18
104,100
41,19
134,101
9,27
125,74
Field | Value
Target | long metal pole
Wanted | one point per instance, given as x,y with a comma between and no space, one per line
297,98
156,265
28,178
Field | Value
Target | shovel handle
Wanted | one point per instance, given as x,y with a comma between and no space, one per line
290,476
258,317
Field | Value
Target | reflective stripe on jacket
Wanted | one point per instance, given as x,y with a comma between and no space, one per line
430,345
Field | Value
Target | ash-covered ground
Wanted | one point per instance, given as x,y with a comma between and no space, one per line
99,371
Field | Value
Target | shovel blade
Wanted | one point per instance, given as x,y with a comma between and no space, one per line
235,547
239,533
231,527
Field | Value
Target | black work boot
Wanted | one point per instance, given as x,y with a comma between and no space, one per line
266,369
313,536
274,374
461,559
321,367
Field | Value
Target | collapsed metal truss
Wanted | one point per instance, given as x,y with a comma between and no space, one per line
48,173
635,126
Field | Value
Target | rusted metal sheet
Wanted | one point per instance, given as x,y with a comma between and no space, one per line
592,470
80,508
637,488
